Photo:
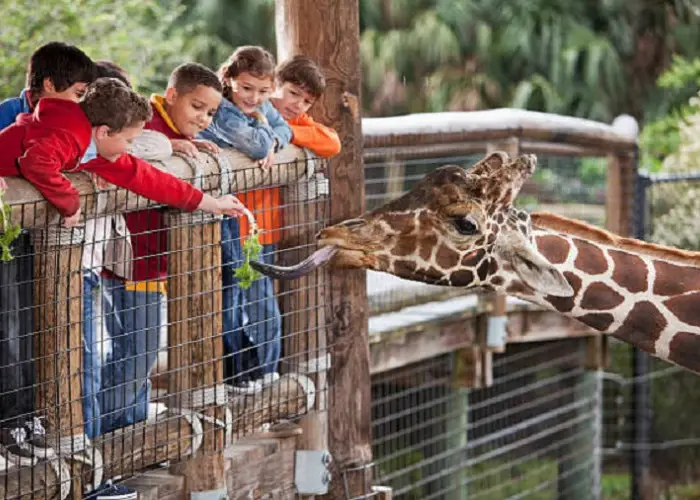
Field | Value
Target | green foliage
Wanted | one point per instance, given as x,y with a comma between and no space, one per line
245,274
9,232
229,24
661,137
140,36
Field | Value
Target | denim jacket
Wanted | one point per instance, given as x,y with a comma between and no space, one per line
231,128
10,108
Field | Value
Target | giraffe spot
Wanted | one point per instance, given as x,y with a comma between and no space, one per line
405,267
493,266
554,248
685,307
483,270
600,297
404,247
400,222
446,257
630,271
674,279
566,304
473,257
684,350
430,275
479,242
426,245
590,258
491,239
497,280
462,277
522,216
519,288
642,327
499,218
599,321
381,262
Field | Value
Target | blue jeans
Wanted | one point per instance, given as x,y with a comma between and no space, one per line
92,362
133,321
251,315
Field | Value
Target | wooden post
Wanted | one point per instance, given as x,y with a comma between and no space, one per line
329,31
195,349
619,195
58,340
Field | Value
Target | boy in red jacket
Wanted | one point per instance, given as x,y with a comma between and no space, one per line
52,140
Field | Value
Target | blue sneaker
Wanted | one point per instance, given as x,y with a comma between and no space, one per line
110,491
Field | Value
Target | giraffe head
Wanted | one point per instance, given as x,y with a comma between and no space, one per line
456,227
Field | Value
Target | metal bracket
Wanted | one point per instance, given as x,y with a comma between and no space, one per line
220,494
311,474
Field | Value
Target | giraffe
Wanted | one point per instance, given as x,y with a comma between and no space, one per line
459,228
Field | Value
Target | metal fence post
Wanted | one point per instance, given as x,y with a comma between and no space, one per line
641,388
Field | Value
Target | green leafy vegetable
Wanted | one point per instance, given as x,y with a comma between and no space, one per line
252,247
9,233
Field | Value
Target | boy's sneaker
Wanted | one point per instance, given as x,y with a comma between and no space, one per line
110,491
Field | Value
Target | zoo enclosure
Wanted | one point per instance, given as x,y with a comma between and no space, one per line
458,410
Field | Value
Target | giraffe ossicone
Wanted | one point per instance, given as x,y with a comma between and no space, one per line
459,228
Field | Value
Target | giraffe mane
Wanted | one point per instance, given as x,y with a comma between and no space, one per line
572,227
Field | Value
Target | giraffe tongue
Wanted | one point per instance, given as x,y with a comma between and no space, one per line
316,259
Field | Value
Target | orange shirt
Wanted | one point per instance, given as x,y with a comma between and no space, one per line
265,203
306,133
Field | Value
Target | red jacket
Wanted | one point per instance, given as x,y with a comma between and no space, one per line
149,237
52,140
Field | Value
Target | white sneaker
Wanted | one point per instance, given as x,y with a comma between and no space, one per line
155,409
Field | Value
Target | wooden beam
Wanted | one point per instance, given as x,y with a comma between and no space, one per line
400,348
58,339
194,340
329,31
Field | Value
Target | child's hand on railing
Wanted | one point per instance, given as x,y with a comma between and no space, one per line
72,220
268,161
184,146
207,146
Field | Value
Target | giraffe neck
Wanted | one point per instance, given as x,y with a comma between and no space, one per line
640,294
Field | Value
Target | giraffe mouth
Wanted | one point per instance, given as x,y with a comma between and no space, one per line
306,266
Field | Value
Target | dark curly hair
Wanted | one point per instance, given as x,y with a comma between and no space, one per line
110,102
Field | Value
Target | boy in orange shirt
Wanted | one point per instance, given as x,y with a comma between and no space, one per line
300,83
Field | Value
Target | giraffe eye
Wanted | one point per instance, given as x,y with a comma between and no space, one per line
466,225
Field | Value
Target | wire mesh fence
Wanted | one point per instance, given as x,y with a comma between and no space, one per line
533,434
651,437
139,338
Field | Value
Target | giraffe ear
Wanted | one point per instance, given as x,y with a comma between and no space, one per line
539,274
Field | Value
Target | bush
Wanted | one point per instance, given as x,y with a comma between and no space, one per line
140,36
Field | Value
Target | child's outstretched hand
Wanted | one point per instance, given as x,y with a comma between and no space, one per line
72,220
184,146
230,205
207,146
